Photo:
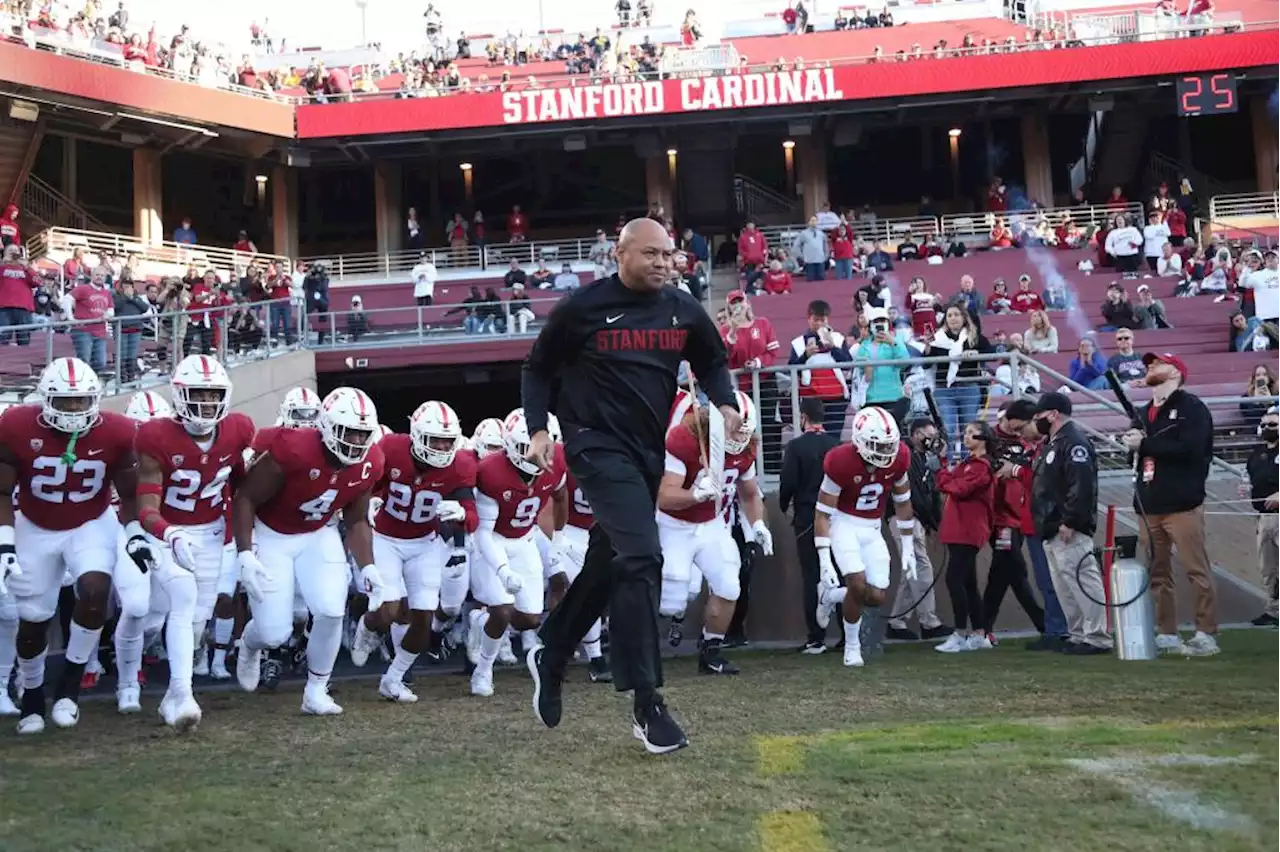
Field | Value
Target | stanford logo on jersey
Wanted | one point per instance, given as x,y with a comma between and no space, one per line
641,339
37,444
315,474
395,474
177,461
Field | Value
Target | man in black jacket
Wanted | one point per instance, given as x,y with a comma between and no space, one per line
1174,446
1264,488
924,441
606,361
1064,504
798,487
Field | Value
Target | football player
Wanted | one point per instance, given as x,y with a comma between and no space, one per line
511,493
419,535
858,479
693,529
300,409
299,480
63,456
188,467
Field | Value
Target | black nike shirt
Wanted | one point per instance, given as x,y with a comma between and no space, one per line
606,362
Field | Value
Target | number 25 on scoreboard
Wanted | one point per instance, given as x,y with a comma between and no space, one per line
1207,94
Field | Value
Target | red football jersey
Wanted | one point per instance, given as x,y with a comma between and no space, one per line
519,501
196,482
683,452
52,493
580,514
864,489
314,490
413,490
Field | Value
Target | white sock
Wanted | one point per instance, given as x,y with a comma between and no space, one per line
593,634
851,628
529,639
397,635
401,664
81,643
593,649
180,640
31,671
707,634
222,630
488,646
128,642
8,649
323,646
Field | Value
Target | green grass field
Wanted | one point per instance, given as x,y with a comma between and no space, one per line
1006,750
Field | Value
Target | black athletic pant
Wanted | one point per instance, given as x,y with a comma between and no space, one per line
1009,571
622,571
810,572
746,557
962,583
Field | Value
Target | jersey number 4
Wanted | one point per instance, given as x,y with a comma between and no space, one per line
184,490
409,506
320,507
51,484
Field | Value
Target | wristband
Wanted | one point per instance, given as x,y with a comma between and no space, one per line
149,516
7,537
148,489
822,541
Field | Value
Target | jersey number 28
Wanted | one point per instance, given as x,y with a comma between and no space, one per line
409,506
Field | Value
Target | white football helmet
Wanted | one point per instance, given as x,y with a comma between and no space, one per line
738,442
553,428
348,424
201,391
382,432
435,433
148,405
300,409
487,439
876,436
70,394
515,441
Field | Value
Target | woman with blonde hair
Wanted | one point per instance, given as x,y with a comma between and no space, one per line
958,394
1041,336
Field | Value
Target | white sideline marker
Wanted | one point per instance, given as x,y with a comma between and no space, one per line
1182,805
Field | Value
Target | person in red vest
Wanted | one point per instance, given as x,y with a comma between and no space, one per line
517,225
1117,201
18,284
996,197
456,232
753,248
777,280
10,231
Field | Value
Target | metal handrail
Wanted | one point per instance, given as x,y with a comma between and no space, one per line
1244,204
1085,215
221,259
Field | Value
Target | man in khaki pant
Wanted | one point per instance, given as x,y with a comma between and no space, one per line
1174,445
1263,485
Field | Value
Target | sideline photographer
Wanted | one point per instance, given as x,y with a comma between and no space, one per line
1064,502
926,502
1264,488
315,287
1008,568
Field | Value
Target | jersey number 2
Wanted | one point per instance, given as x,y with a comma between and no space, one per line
869,497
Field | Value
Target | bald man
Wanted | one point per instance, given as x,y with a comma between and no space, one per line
606,362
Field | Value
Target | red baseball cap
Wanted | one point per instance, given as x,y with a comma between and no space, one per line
1166,358
735,296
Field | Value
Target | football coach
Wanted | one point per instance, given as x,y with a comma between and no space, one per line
606,362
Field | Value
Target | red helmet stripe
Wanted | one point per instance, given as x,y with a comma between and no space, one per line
360,401
204,365
71,373
151,404
444,415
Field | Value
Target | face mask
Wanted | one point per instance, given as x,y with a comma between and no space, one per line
1270,434
1043,426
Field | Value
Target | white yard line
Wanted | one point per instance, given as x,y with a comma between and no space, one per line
1175,803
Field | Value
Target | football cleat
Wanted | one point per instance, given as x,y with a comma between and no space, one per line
66,713
363,643
180,711
482,682
394,690
129,699
853,656
33,723
248,668
317,702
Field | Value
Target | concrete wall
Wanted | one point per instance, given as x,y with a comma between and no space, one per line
258,386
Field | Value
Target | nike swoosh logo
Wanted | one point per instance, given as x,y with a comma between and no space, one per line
223,458
355,484
94,453
612,320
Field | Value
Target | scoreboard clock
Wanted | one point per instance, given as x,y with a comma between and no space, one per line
1206,94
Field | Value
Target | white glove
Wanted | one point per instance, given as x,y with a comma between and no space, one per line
509,579
370,583
183,549
907,543
252,575
8,559
451,510
456,565
827,575
760,533
138,548
704,487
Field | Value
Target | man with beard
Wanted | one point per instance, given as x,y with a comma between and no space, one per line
1174,451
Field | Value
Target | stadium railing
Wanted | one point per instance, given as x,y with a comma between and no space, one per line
1084,215
412,325
223,260
1249,205
157,353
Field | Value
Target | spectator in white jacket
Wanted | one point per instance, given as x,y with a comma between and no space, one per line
424,277
1155,236
1169,265
1124,244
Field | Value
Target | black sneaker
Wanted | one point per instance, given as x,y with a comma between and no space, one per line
1046,643
547,685
1264,620
902,633
598,671
711,661
675,632
942,631
737,640
654,727
814,648
1084,649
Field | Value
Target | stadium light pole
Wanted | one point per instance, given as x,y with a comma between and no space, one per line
953,140
466,181
789,157
363,6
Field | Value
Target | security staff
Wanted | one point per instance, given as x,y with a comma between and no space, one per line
1264,488
1064,498
798,486
926,502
